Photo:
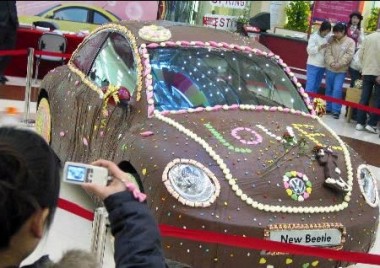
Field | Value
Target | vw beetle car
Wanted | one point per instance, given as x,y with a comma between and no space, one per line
72,17
220,136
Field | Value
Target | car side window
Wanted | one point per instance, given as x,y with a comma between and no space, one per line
114,64
100,18
85,55
72,14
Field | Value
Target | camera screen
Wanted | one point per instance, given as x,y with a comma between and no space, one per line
75,173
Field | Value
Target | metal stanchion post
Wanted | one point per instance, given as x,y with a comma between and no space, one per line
28,87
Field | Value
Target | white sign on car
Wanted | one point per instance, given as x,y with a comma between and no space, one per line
314,237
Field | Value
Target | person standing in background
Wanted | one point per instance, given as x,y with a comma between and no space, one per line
315,68
8,33
337,57
369,56
355,32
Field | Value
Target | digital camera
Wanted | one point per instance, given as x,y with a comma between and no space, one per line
78,173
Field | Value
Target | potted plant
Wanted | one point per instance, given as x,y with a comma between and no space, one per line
241,21
372,19
297,13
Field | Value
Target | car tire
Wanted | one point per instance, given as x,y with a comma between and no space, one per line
43,119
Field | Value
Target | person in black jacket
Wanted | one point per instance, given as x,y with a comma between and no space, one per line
8,31
137,238
29,191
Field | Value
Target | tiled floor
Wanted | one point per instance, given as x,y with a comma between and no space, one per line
69,231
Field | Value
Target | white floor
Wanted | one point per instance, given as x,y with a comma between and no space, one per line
69,231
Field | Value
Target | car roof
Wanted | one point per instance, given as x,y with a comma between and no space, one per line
185,32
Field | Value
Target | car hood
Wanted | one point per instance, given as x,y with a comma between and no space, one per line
247,152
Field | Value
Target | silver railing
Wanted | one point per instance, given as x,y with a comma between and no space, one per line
28,88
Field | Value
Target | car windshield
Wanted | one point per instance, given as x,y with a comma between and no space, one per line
199,77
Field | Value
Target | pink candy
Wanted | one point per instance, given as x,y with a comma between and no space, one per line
135,192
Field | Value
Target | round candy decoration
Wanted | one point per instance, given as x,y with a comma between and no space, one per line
155,33
297,185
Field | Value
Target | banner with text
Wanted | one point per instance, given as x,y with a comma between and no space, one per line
330,10
230,4
223,22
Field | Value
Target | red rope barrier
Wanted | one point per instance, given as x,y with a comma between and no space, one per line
347,103
240,241
75,209
274,246
16,52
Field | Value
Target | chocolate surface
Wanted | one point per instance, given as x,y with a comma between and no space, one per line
246,142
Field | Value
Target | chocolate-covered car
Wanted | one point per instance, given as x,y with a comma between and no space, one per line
221,137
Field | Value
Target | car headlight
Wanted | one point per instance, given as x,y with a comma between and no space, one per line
368,187
191,183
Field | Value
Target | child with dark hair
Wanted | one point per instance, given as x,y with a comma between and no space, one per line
315,68
29,191
355,32
337,58
354,29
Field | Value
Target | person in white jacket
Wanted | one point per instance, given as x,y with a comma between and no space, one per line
315,67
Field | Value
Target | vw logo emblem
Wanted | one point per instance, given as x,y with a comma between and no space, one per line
297,185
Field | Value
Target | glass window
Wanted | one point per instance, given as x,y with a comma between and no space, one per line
72,14
100,18
115,65
192,77
84,57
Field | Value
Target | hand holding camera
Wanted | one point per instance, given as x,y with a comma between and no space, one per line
102,178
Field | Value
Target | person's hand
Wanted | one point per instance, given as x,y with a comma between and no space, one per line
323,46
334,65
118,183
378,79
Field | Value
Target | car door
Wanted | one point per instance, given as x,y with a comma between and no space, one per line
114,71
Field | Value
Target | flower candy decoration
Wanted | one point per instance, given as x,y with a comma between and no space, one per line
289,138
110,96
297,185
155,33
319,106
113,95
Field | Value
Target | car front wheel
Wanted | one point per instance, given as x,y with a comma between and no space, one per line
43,119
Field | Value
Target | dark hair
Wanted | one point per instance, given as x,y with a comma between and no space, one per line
356,14
29,179
340,27
325,26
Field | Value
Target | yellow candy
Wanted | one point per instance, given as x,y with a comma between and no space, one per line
289,192
288,261
262,261
308,190
314,263
294,173
144,171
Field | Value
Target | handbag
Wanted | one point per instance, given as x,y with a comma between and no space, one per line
355,62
